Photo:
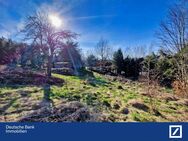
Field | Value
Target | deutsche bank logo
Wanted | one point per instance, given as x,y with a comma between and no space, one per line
175,131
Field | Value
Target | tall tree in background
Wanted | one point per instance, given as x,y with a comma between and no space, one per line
173,35
72,52
173,32
9,50
103,49
91,61
135,51
118,61
32,56
40,31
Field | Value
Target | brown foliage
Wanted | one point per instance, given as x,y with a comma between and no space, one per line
25,77
180,88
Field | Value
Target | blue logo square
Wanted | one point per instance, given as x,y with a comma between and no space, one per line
175,131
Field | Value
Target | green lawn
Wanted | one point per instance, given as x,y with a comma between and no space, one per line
114,101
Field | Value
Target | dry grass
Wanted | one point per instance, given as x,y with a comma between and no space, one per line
104,100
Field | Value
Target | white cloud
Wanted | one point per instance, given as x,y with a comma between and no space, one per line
20,25
4,33
93,17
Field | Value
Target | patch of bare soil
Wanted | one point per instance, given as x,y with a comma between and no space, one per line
71,112
26,77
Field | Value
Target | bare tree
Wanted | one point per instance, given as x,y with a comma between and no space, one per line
173,35
39,30
149,67
135,51
103,49
173,32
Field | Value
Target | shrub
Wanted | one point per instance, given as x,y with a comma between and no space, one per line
180,88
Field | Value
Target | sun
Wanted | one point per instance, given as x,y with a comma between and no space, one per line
55,20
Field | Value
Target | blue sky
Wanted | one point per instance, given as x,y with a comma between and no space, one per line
125,23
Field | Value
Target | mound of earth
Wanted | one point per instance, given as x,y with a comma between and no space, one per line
71,112
183,102
139,105
26,77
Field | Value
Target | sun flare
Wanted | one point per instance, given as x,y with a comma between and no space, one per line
55,20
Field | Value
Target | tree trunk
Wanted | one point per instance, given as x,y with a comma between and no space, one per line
49,66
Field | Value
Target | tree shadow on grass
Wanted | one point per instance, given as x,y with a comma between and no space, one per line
50,113
12,98
12,86
44,108
89,78
95,81
8,99
46,98
7,106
